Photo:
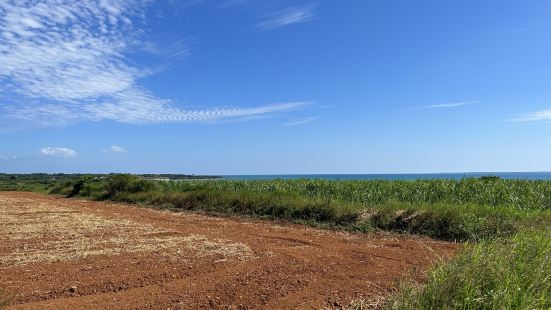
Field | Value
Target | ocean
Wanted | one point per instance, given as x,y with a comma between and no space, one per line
414,176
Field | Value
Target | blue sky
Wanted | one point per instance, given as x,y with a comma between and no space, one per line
275,87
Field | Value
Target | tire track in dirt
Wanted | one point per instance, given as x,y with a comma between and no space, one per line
168,260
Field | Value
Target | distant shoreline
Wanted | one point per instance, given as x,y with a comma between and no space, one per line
544,175
397,176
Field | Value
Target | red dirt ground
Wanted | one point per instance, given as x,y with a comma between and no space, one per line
59,253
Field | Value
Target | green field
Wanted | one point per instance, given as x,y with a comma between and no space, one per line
460,210
506,262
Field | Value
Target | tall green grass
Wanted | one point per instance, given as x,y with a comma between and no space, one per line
510,273
520,194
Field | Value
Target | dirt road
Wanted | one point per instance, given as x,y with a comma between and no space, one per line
58,253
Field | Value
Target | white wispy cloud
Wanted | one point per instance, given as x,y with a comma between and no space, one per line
300,121
538,116
57,152
224,4
289,16
516,30
63,61
9,157
448,105
176,49
115,149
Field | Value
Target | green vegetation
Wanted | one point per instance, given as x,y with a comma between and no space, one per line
38,182
488,191
505,264
43,182
501,274
468,209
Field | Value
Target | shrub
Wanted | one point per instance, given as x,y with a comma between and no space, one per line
78,186
62,188
119,183
142,186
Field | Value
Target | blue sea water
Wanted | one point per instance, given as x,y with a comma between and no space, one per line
456,176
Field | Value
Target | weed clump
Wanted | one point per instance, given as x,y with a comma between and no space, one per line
500,274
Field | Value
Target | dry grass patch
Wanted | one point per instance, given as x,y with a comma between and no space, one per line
4,299
36,232
222,249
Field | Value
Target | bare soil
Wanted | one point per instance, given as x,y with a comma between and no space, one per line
58,253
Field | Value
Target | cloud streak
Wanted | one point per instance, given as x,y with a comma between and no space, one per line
57,152
115,149
231,3
300,121
174,50
289,16
448,105
63,61
10,157
517,30
538,116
